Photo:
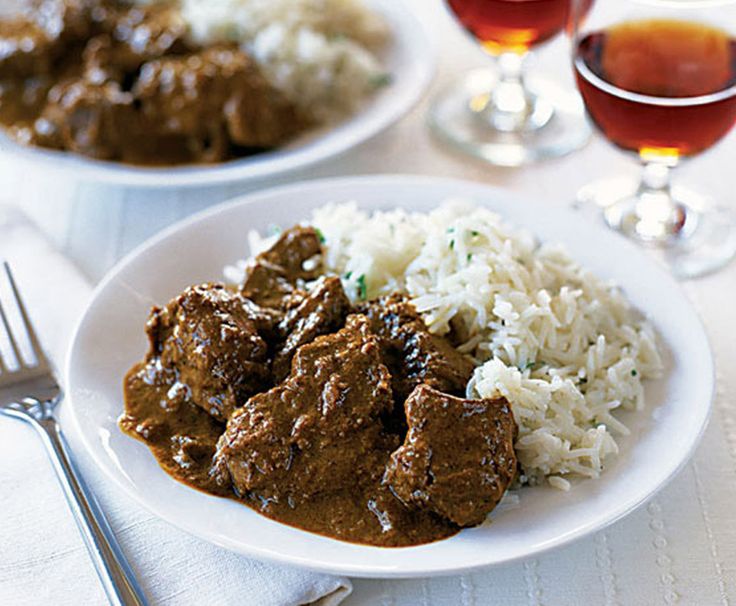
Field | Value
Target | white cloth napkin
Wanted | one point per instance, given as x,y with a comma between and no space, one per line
42,557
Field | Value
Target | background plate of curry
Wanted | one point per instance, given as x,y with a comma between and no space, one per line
662,434
187,93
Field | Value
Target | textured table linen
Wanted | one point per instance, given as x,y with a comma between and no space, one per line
680,548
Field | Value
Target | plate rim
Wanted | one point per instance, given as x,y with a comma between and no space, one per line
279,162
348,569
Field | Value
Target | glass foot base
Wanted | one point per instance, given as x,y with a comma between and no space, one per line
701,237
556,125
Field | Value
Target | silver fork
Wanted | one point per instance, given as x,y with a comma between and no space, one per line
30,393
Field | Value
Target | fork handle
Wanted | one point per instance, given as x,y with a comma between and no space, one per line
115,573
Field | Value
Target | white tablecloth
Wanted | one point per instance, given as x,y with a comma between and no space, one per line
680,548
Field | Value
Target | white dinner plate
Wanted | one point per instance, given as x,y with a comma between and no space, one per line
110,338
409,58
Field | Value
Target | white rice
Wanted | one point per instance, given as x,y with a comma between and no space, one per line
564,347
322,54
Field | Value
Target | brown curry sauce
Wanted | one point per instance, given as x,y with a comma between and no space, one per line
352,443
183,438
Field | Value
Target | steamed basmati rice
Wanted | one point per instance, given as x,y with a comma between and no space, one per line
564,347
322,54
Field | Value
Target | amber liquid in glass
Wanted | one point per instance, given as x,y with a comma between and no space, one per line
659,87
511,25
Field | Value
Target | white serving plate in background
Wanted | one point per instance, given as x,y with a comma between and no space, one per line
110,338
409,57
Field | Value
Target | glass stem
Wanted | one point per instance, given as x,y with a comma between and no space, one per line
658,217
509,106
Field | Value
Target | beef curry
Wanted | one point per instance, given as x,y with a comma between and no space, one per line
344,420
120,82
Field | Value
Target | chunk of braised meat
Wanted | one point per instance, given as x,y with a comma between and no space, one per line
104,122
318,431
458,456
291,252
25,48
70,20
273,278
33,39
21,102
214,339
413,354
322,311
217,90
258,116
97,120
137,35
184,97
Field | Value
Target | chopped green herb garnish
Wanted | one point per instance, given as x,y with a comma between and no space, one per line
232,33
474,233
347,275
634,372
529,365
470,257
362,288
452,244
381,80
320,235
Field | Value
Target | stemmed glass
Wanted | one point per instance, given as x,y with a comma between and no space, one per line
658,78
503,116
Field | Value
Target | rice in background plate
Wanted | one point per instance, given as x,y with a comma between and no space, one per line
322,54
564,347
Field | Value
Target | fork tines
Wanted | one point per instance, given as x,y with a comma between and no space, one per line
36,349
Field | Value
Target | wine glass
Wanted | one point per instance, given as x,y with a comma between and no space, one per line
658,79
503,116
